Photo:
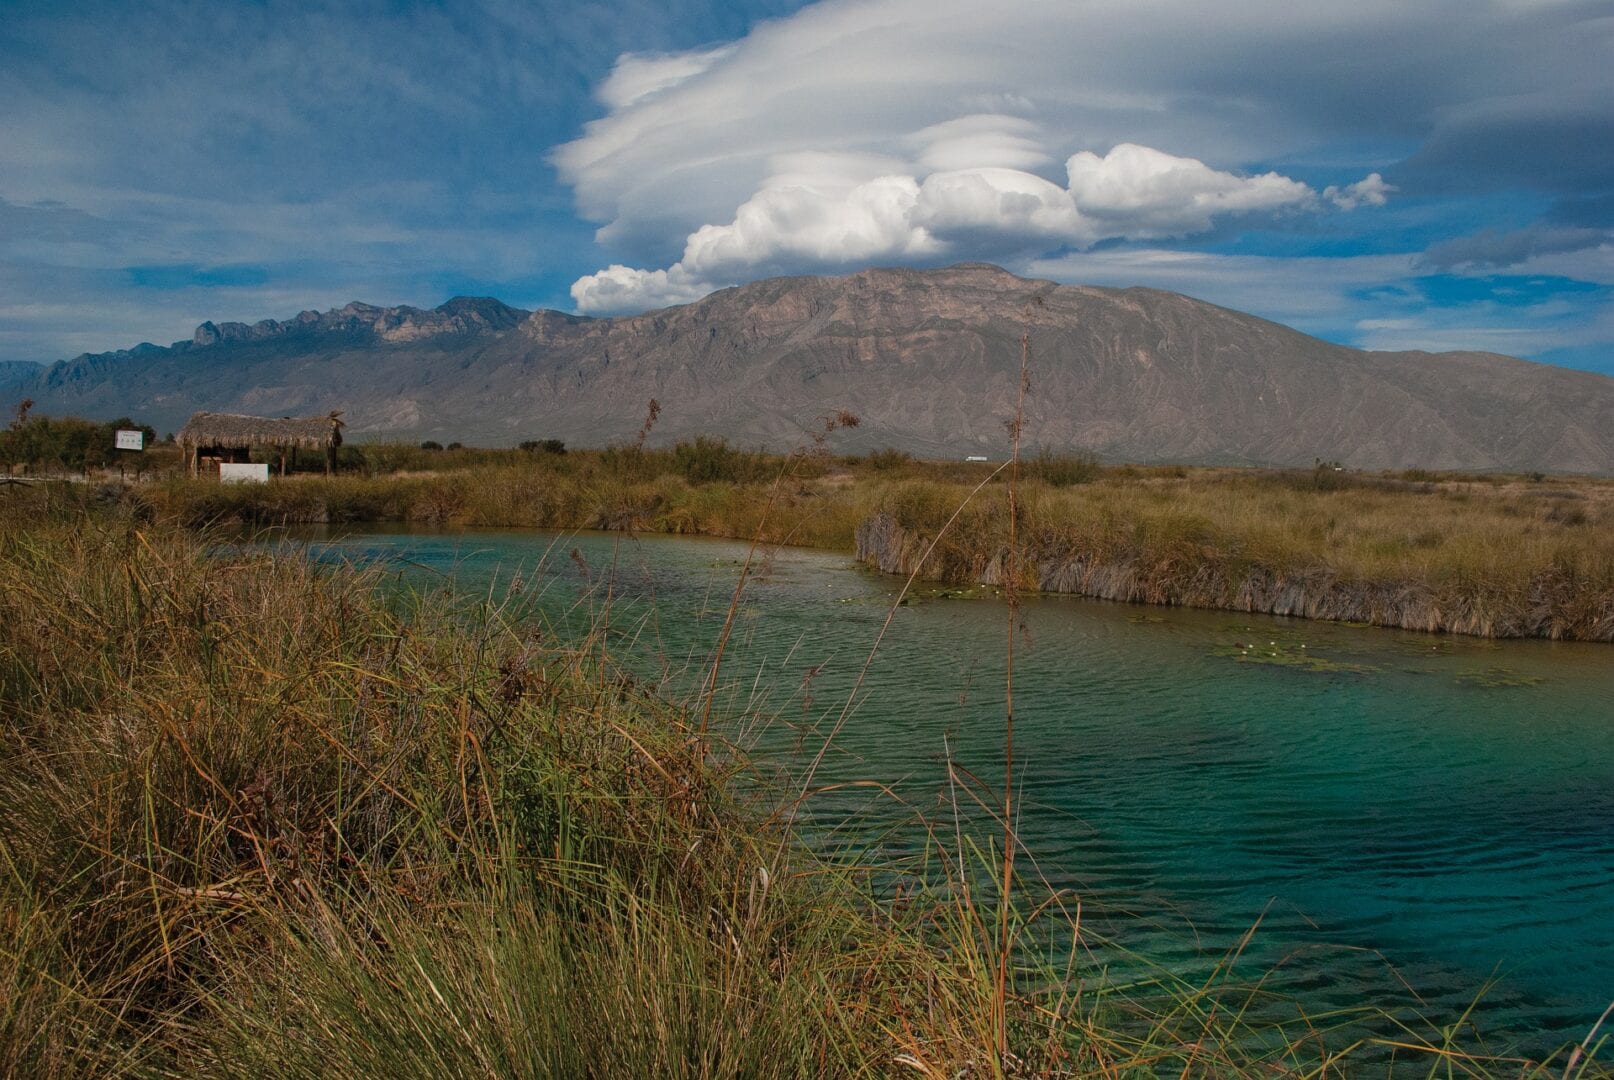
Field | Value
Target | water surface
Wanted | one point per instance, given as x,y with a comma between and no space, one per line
1391,807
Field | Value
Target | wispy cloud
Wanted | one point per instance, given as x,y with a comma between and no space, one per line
177,160
345,149
1493,249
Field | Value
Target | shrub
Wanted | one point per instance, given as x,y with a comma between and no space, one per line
709,460
65,442
888,459
1061,470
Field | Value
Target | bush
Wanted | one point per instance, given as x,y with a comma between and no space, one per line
710,460
431,444
65,442
888,459
1061,470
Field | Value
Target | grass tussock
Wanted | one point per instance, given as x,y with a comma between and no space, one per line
263,818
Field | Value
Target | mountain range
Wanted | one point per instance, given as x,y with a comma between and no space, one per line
929,359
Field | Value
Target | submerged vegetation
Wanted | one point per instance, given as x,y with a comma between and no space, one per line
1495,556
262,817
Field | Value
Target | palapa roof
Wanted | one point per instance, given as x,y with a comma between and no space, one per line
233,430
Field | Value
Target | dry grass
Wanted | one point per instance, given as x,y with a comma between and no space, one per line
1506,559
261,818
1493,556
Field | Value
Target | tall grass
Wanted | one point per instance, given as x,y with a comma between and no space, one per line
1499,560
263,818
258,819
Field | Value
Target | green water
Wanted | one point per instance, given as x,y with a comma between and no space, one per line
1393,808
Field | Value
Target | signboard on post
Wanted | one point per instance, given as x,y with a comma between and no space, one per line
130,440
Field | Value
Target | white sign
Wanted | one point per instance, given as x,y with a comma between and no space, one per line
130,440
231,473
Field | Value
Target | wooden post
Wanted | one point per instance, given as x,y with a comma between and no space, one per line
283,463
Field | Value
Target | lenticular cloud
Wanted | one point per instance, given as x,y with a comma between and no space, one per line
922,130
826,211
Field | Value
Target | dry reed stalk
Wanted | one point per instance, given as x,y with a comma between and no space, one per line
1011,585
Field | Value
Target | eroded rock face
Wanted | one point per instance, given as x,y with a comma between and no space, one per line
928,358
461,315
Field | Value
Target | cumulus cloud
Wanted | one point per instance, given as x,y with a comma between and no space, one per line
1149,193
622,288
823,211
1371,190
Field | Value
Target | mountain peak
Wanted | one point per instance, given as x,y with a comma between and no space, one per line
461,315
930,359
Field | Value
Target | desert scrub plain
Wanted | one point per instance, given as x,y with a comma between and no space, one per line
1496,556
260,817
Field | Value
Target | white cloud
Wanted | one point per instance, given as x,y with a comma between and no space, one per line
1371,190
824,211
981,139
995,200
637,76
1147,193
622,288
1025,83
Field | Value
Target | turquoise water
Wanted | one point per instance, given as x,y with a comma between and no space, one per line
1396,810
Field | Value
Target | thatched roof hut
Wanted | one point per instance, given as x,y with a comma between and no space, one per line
218,433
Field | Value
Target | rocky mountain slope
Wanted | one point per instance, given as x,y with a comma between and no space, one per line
15,372
928,359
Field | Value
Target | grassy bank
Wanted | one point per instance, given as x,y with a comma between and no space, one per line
1492,556
256,819
260,818
1494,559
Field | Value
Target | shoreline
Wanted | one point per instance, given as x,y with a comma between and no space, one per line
1318,595
1497,558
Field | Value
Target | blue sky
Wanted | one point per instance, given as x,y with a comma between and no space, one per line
1389,175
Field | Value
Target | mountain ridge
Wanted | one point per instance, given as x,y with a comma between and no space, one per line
928,358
